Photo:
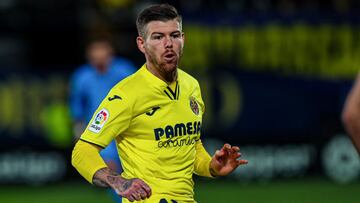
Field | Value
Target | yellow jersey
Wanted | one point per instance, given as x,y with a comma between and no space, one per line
157,130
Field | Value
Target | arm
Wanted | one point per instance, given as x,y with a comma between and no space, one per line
86,159
224,160
202,160
351,113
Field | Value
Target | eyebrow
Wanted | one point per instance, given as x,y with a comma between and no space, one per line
157,33
161,33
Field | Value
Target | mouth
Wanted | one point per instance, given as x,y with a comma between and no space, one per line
169,56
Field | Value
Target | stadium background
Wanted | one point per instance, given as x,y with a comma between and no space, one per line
274,73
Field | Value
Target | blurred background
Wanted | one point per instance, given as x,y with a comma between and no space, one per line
274,76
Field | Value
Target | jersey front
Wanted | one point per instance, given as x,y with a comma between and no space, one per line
156,128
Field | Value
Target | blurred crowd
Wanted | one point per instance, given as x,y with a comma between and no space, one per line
44,34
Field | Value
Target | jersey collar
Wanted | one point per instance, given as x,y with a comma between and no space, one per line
155,80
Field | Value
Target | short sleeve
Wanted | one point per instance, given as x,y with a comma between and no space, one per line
112,117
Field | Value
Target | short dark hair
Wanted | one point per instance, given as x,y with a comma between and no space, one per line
158,12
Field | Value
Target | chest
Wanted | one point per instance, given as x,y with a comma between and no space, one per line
166,119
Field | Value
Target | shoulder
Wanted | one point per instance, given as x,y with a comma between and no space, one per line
188,79
130,85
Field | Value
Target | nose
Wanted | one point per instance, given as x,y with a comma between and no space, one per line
168,42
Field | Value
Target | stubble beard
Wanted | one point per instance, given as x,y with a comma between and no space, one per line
167,70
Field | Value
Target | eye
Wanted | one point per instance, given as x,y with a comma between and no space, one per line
175,35
156,37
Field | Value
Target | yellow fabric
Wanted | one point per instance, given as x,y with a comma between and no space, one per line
202,161
86,159
173,86
156,129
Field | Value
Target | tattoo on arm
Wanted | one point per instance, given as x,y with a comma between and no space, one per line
102,175
126,185
100,183
121,185
108,178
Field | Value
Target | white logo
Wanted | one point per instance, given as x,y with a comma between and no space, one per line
99,121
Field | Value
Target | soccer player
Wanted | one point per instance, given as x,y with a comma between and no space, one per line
155,116
89,85
351,113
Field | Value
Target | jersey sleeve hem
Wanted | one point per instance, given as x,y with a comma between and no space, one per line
90,141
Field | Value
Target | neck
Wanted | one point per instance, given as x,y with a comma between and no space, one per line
168,77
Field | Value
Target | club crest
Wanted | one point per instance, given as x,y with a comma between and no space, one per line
194,105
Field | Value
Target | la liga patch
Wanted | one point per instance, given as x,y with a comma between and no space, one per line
99,121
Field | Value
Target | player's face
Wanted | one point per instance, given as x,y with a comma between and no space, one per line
163,45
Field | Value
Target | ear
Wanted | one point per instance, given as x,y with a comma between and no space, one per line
141,44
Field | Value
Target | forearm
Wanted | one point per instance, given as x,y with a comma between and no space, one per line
87,160
103,177
132,189
202,161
